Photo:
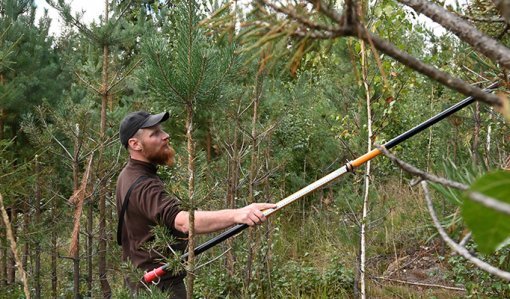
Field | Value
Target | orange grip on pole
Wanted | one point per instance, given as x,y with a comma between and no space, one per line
366,157
153,274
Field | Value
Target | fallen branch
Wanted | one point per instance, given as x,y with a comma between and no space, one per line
421,284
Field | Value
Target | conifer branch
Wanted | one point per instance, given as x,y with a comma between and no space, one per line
65,12
115,82
87,84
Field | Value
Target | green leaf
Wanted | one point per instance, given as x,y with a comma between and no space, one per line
490,228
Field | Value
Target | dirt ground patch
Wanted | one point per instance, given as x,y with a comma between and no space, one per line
418,270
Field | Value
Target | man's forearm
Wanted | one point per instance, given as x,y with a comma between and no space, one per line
211,221
206,221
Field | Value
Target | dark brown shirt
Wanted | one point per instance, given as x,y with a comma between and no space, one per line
149,205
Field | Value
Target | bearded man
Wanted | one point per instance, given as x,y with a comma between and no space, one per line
143,202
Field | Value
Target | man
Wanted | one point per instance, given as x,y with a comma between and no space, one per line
143,203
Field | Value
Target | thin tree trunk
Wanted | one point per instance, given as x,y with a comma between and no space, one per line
3,259
76,255
11,262
102,243
208,142
364,217
488,139
54,253
253,172
455,145
233,179
12,241
191,194
2,123
37,245
89,246
476,133
429,146
26,227
267,197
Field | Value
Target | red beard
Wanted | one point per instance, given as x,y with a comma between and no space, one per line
162,156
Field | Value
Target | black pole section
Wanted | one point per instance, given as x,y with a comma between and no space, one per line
435,119
218,239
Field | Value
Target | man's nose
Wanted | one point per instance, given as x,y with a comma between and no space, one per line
166,136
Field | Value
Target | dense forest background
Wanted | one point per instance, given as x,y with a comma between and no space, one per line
265,98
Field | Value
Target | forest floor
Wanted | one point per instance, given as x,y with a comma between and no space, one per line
417,273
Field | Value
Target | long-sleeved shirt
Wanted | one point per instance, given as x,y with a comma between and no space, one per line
149,205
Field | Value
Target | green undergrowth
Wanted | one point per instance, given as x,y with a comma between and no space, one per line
313,252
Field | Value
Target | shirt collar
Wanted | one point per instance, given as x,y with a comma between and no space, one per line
150,167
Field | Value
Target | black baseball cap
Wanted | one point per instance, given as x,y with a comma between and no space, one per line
138,120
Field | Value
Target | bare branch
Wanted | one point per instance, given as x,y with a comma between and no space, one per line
328,11
430,285
474,196
214,259
287,10
482,20
87,83
422,174
464,30
63,147
356,30
490,202
124,76
459,249
430,71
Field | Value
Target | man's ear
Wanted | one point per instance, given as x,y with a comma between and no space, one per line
135,144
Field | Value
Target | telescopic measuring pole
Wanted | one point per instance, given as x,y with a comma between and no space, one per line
350,166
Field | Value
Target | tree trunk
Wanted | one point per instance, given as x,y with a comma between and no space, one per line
268,198
208,143
102,243
429,146
253,173
13,246
54,254
364,217
26,227
191,194
76,255
3,258
476,133
11,262
233,181
90,243
37,204
488,139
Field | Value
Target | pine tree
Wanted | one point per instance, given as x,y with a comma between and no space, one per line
111,48
187,69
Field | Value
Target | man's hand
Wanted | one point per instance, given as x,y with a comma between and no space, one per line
252,214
